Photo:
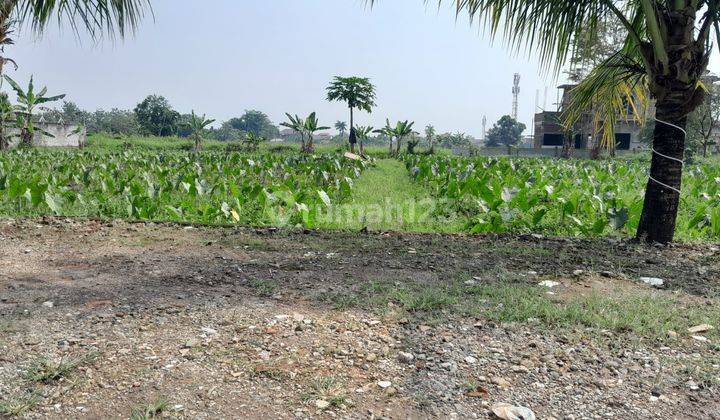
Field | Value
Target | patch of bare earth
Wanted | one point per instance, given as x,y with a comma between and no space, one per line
243,323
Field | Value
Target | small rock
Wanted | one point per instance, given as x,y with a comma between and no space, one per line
470,360
549,283
208,330
322,404
692,385
384,384
700,338
500,381
191,343
371,357
405,357
700,328
511,412
652,281
48,304
578,273
520,369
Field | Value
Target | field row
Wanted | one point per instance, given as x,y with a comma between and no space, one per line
210,187
562,197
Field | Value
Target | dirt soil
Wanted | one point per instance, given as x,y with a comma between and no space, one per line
231,323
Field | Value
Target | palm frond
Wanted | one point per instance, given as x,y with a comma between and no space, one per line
615,90
546,27
95,16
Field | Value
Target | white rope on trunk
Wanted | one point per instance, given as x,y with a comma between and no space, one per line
682,162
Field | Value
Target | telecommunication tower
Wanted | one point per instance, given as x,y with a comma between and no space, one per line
516,94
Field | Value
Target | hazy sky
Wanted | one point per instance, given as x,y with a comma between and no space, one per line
221,57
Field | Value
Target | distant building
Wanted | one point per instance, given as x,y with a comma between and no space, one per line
53,135
549,131
323,136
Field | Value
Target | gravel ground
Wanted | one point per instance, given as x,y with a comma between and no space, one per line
230,323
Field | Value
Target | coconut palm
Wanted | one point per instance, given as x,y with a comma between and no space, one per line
198,126
28,103
363,132
98,17
666,51
341,127
357,92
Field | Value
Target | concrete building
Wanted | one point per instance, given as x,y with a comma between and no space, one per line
549,132
62,135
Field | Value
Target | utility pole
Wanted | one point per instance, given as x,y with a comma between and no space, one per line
516,94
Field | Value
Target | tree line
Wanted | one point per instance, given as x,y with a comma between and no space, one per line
154,116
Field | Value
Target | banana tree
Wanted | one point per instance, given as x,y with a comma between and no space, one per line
28,102
402,129
389,132
666,51
198,125
253,140
296,124
7,120
363,132
310,127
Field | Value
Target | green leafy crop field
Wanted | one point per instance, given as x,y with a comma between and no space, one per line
209,187
562,197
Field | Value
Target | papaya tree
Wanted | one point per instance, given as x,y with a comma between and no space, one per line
357,93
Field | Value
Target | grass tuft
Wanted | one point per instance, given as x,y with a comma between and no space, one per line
151,410
17,407
45,370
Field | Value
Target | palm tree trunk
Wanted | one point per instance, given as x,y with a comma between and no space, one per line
657,222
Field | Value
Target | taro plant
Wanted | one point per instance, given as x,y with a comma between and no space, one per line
198,126
28,102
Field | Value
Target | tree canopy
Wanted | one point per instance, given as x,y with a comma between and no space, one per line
506,132
256,122
156,117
